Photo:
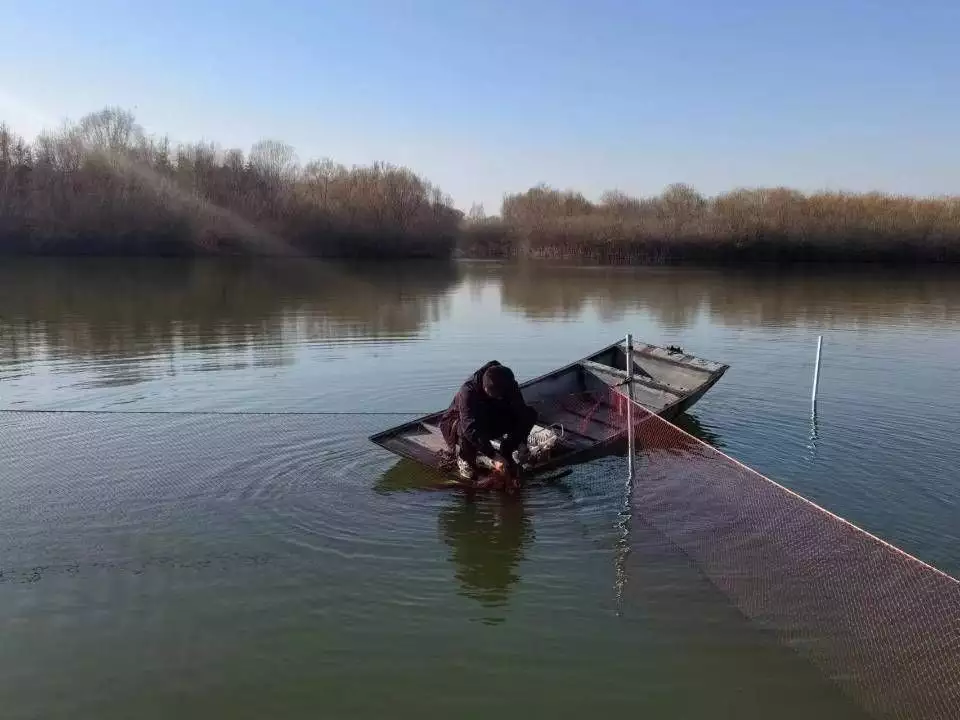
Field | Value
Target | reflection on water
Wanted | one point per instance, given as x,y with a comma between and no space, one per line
406,476
676,297
104,325
273,566
138,309
487,538
117,309
487,535
692,424
130,321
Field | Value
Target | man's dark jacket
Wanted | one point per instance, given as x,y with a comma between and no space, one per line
476,418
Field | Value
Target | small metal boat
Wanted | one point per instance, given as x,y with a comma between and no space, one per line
581,406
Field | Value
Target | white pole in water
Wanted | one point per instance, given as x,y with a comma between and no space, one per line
629,356
623,547
816,374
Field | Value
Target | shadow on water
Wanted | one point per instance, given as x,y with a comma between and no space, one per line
692,424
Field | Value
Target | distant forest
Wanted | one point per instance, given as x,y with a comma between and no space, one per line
101,186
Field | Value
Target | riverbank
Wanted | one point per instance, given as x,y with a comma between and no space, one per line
631,247
743,226
103,187
615,244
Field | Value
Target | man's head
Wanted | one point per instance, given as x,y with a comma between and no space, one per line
497,381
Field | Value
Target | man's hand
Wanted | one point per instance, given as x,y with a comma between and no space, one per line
501,462
505,465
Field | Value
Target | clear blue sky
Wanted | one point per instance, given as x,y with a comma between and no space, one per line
489,96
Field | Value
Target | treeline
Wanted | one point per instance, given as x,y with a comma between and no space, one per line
746,225
102,186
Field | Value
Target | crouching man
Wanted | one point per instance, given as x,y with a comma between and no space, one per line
489,406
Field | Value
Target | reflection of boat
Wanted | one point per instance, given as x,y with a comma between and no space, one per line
581,404
405,476
692,424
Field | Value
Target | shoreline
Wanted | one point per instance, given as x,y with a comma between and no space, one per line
825,263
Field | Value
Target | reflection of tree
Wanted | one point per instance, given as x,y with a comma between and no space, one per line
487,537
541,290
675,297
134,308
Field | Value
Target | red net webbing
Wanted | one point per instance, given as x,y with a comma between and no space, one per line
880,623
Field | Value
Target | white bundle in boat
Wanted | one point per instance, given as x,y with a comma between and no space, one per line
539,443
543,439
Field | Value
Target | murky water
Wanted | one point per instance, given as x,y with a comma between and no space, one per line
161,564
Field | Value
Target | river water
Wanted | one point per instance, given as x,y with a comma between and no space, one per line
162,556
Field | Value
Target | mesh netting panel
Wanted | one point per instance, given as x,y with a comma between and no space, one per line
882,624
583,419
127,493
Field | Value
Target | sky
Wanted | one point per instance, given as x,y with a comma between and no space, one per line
486,97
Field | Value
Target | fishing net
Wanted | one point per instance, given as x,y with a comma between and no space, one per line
880,623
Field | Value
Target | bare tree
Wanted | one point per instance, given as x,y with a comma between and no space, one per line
103,185
111,130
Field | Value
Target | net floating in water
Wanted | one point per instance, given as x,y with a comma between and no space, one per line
880,623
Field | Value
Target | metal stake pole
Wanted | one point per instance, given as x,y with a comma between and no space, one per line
630,439
623,544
